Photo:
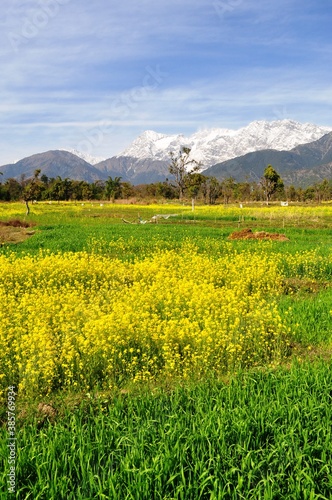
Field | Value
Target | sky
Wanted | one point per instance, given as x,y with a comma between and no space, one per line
93,75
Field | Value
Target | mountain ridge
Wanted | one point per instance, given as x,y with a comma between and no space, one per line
263,139
211,146
312,158
52,163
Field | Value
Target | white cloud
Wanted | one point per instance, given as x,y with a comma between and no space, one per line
88,65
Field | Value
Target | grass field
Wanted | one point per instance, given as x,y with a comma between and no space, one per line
163,360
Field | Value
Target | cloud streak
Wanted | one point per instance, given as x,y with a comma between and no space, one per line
220,64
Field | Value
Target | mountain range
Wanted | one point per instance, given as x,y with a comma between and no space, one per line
303,165
216,145
301,153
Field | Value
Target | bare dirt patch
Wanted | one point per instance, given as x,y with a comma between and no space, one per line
16,223
15,231
248,234
298,285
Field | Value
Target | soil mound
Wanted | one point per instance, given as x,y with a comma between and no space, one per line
15,231
247,234
16,223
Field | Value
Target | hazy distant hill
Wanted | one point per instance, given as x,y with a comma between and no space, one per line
65,164
300,165
134,170
53,164
308,177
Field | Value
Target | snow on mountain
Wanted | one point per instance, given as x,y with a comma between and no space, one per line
216,145
93,160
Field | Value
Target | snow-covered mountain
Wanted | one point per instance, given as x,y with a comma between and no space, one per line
216,145
93,160
147,159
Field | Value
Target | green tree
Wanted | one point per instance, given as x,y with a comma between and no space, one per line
244,191
181,167
127,190
227,188
309,194
165,190
322,191
291,193
113,188
44,179
61,189
194,182
271,182
12,190
211,190
2,190
86,191
98,189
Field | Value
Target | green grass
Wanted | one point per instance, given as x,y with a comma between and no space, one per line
70,227
77,236
310,318
263,435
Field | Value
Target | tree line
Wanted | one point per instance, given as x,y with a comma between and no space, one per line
186,183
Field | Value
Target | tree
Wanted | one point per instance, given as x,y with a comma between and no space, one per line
291,193
213,190
31,190
81,190
194,182
309,194
12,190
61,189
165,190
322,191
2,191
113,188
180,168
227,188
127,190
271,182
44,179
98,189
243,191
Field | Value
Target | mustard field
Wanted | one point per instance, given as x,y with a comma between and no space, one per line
84,319
102,300
87,318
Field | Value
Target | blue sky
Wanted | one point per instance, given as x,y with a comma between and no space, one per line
93,75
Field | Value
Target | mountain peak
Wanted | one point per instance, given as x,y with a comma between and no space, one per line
211,146
147,159
93,160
